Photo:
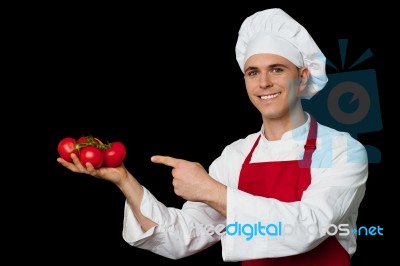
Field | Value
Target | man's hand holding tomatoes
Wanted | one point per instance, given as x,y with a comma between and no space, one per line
116,175
190,180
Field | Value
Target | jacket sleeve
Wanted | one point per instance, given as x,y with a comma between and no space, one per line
179,233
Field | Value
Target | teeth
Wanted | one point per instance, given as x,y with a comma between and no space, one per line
270,96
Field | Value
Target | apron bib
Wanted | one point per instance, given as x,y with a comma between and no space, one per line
286,181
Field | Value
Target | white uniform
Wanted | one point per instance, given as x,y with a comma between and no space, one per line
339,174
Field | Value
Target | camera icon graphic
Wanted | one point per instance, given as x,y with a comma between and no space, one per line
350,102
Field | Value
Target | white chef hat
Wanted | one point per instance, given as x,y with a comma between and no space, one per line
273,31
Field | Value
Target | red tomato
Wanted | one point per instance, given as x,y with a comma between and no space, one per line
81,139
115,154
93,155
67,146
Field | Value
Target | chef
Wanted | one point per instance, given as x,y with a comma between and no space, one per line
287,194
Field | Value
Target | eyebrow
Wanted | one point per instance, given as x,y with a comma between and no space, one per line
268,66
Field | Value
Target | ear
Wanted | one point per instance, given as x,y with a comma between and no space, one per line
304,77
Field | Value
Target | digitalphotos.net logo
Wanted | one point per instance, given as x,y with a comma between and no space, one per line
279,229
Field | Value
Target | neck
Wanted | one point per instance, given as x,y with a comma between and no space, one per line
274,128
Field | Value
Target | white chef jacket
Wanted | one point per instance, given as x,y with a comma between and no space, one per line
339,173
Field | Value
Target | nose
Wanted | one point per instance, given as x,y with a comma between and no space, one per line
265,81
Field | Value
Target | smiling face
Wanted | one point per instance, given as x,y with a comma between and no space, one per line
274,85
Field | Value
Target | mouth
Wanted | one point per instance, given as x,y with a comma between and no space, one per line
269,96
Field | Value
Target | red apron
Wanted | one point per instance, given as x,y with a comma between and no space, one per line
286,182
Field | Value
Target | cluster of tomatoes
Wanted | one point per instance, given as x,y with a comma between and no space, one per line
92,150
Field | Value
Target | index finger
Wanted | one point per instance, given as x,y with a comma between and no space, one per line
166,160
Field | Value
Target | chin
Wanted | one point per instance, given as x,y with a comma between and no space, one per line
272,114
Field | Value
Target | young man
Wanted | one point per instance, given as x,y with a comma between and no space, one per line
286,195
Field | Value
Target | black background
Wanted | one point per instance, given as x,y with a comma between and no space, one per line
163,80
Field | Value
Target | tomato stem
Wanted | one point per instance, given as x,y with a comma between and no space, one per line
91,141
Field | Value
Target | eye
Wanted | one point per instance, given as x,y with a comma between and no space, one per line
251,73
277,70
